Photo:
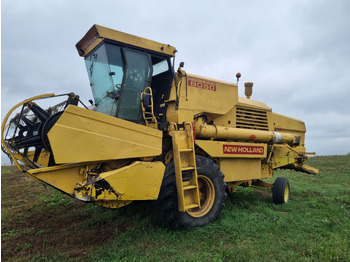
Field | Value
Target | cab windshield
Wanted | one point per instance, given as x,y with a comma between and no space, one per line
117,77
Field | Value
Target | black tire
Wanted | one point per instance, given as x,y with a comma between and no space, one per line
281,190
209,175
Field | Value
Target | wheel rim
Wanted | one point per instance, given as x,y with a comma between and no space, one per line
286,193
206,196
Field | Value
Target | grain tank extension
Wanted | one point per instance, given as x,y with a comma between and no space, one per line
152,133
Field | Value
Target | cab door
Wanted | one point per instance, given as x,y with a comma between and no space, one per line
138,73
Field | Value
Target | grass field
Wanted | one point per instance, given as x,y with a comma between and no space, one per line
39,224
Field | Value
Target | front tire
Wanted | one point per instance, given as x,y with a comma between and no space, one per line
212,195
281,190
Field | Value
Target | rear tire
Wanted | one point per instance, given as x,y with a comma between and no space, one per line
212,194
281,190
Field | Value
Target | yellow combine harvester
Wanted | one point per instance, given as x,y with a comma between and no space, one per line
153,133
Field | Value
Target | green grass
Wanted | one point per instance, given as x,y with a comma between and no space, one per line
5,171
313,226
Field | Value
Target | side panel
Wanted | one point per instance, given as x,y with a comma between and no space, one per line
199,94
240,169
233,149
287,124
202,94
62,177
238,161
82,135
138,181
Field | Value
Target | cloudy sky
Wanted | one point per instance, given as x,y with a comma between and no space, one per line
297,52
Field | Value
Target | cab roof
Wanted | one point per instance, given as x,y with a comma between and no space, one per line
98,33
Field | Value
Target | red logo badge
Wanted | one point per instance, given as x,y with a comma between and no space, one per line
243,150
200,83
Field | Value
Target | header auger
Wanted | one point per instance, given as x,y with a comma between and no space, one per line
153,133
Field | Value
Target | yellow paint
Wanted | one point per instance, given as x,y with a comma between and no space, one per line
206,196
82,135
43,159
148,112
237,169
289,125
5,124
138,181
233,149
113,204
99,33
63,177
204,130
196,93
246,139
185,162
286,194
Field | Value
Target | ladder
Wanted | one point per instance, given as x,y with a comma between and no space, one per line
185,166
147,108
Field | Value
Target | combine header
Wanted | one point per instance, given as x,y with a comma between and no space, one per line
153,133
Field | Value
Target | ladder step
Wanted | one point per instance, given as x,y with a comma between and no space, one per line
189,187
186,150
191,206
187,168
171,100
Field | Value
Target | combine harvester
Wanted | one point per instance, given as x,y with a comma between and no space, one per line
153,133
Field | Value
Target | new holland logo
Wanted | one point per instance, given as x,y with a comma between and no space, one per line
243,150
200,83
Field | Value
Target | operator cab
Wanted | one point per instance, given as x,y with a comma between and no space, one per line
120,72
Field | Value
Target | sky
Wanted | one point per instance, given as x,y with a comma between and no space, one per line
297,52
